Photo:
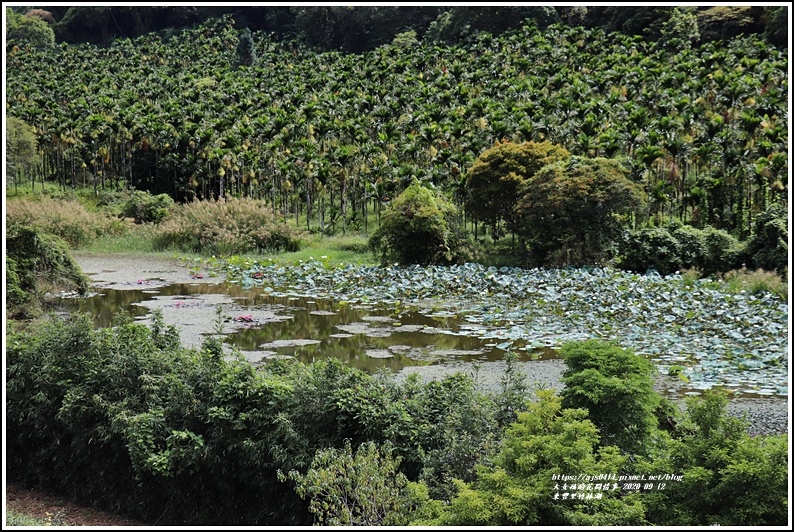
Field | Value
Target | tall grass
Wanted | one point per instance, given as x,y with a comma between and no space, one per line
68,219
224,227
755,282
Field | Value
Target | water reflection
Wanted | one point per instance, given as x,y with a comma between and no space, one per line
365,337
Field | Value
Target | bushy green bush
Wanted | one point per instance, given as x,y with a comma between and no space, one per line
66,219
614,385
126,419
146,208
519,489
726,476
361,489
37,263
419,228
224,227
677,247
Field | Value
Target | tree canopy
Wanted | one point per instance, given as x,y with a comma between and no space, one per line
493,181
572,211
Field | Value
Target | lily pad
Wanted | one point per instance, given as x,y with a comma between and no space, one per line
379,353
296,342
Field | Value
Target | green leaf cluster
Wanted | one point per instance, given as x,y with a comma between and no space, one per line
614,385
128,420
677,247
147,208
27,31
572,212
37,263
494,180
418,227
729,477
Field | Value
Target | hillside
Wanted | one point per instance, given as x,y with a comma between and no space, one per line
704,127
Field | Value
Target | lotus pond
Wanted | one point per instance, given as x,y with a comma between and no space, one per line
393,317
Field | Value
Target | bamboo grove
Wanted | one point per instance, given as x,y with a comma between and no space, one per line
329,138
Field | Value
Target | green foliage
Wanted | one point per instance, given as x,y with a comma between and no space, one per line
677,247
755,282
614,385
680,31
776,25
126,419
494,180
147,208
457,24
67,219
518,490
418,228
27,30
246,54
275,132
728,477
21,148
178,426
224,227
572,212
768,246
37,263
361,489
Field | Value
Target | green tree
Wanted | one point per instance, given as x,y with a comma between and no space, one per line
519,489
726,476
418,228
21,149
573,211
246,55
680,31
37,263
768,247
363,488
24,30
494,180
614,385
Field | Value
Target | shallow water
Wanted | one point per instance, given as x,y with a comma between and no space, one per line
263,326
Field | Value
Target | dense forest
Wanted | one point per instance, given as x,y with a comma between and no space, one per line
214,111
363,28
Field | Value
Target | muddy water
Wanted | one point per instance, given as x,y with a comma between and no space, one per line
264,326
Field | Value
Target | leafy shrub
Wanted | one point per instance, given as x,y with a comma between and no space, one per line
27,30
768,247
614,385
126,419
677,247
728,477
723,251
66,219
224,227
361,489
518,490
37,263
650,248
418,228
146,208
